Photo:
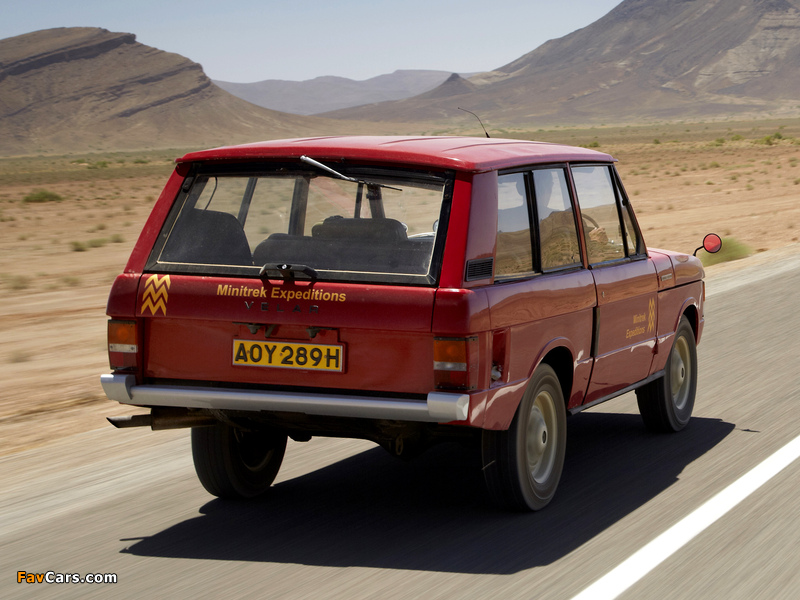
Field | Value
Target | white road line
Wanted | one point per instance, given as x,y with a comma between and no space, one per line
653,554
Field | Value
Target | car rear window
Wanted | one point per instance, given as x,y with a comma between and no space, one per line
382,225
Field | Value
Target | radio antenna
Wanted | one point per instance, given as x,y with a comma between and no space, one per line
477,117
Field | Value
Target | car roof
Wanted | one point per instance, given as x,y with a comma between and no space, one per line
460,153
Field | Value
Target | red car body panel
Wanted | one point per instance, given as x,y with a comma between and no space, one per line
626,330
461,154
386,332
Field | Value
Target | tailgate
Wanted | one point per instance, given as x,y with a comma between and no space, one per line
297,334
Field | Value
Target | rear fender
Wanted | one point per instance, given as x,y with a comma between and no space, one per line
559,353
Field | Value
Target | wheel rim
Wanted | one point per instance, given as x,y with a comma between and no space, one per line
541,442
680,372
254,450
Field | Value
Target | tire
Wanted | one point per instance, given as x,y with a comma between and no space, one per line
666,404
522,466
235,464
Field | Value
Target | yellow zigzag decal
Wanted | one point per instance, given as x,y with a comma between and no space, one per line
651,316
155,295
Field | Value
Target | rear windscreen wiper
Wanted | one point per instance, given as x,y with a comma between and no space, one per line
338,175
288,271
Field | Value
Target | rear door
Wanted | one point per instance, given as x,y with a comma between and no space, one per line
216,330
276,275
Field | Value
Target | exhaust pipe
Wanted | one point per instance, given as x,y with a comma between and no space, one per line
163,419
131,421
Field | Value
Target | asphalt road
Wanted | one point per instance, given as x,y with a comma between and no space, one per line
346,520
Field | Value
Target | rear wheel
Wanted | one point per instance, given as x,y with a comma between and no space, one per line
233,463
666,404
522,466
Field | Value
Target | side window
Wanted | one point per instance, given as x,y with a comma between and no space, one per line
631,236
633,239
557,232
599,213
514,254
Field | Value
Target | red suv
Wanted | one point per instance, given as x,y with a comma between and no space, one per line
404,290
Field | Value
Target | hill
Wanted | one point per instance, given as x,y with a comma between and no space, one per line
657,59
323,94
90,89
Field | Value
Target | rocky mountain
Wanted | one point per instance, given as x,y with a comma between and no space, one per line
323,94
87,88
78,89
661,59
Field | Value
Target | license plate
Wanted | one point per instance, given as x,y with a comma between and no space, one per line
288,355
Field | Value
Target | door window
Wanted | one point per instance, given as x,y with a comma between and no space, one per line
631,232
600,215
557,233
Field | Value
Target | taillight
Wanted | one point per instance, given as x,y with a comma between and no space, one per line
455,363
122,344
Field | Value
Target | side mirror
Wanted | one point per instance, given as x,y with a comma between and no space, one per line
712,244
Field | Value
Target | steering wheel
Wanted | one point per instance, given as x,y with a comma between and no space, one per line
585,217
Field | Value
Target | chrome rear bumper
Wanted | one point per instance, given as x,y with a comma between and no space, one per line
439,407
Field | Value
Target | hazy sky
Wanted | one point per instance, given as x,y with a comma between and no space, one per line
252,40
